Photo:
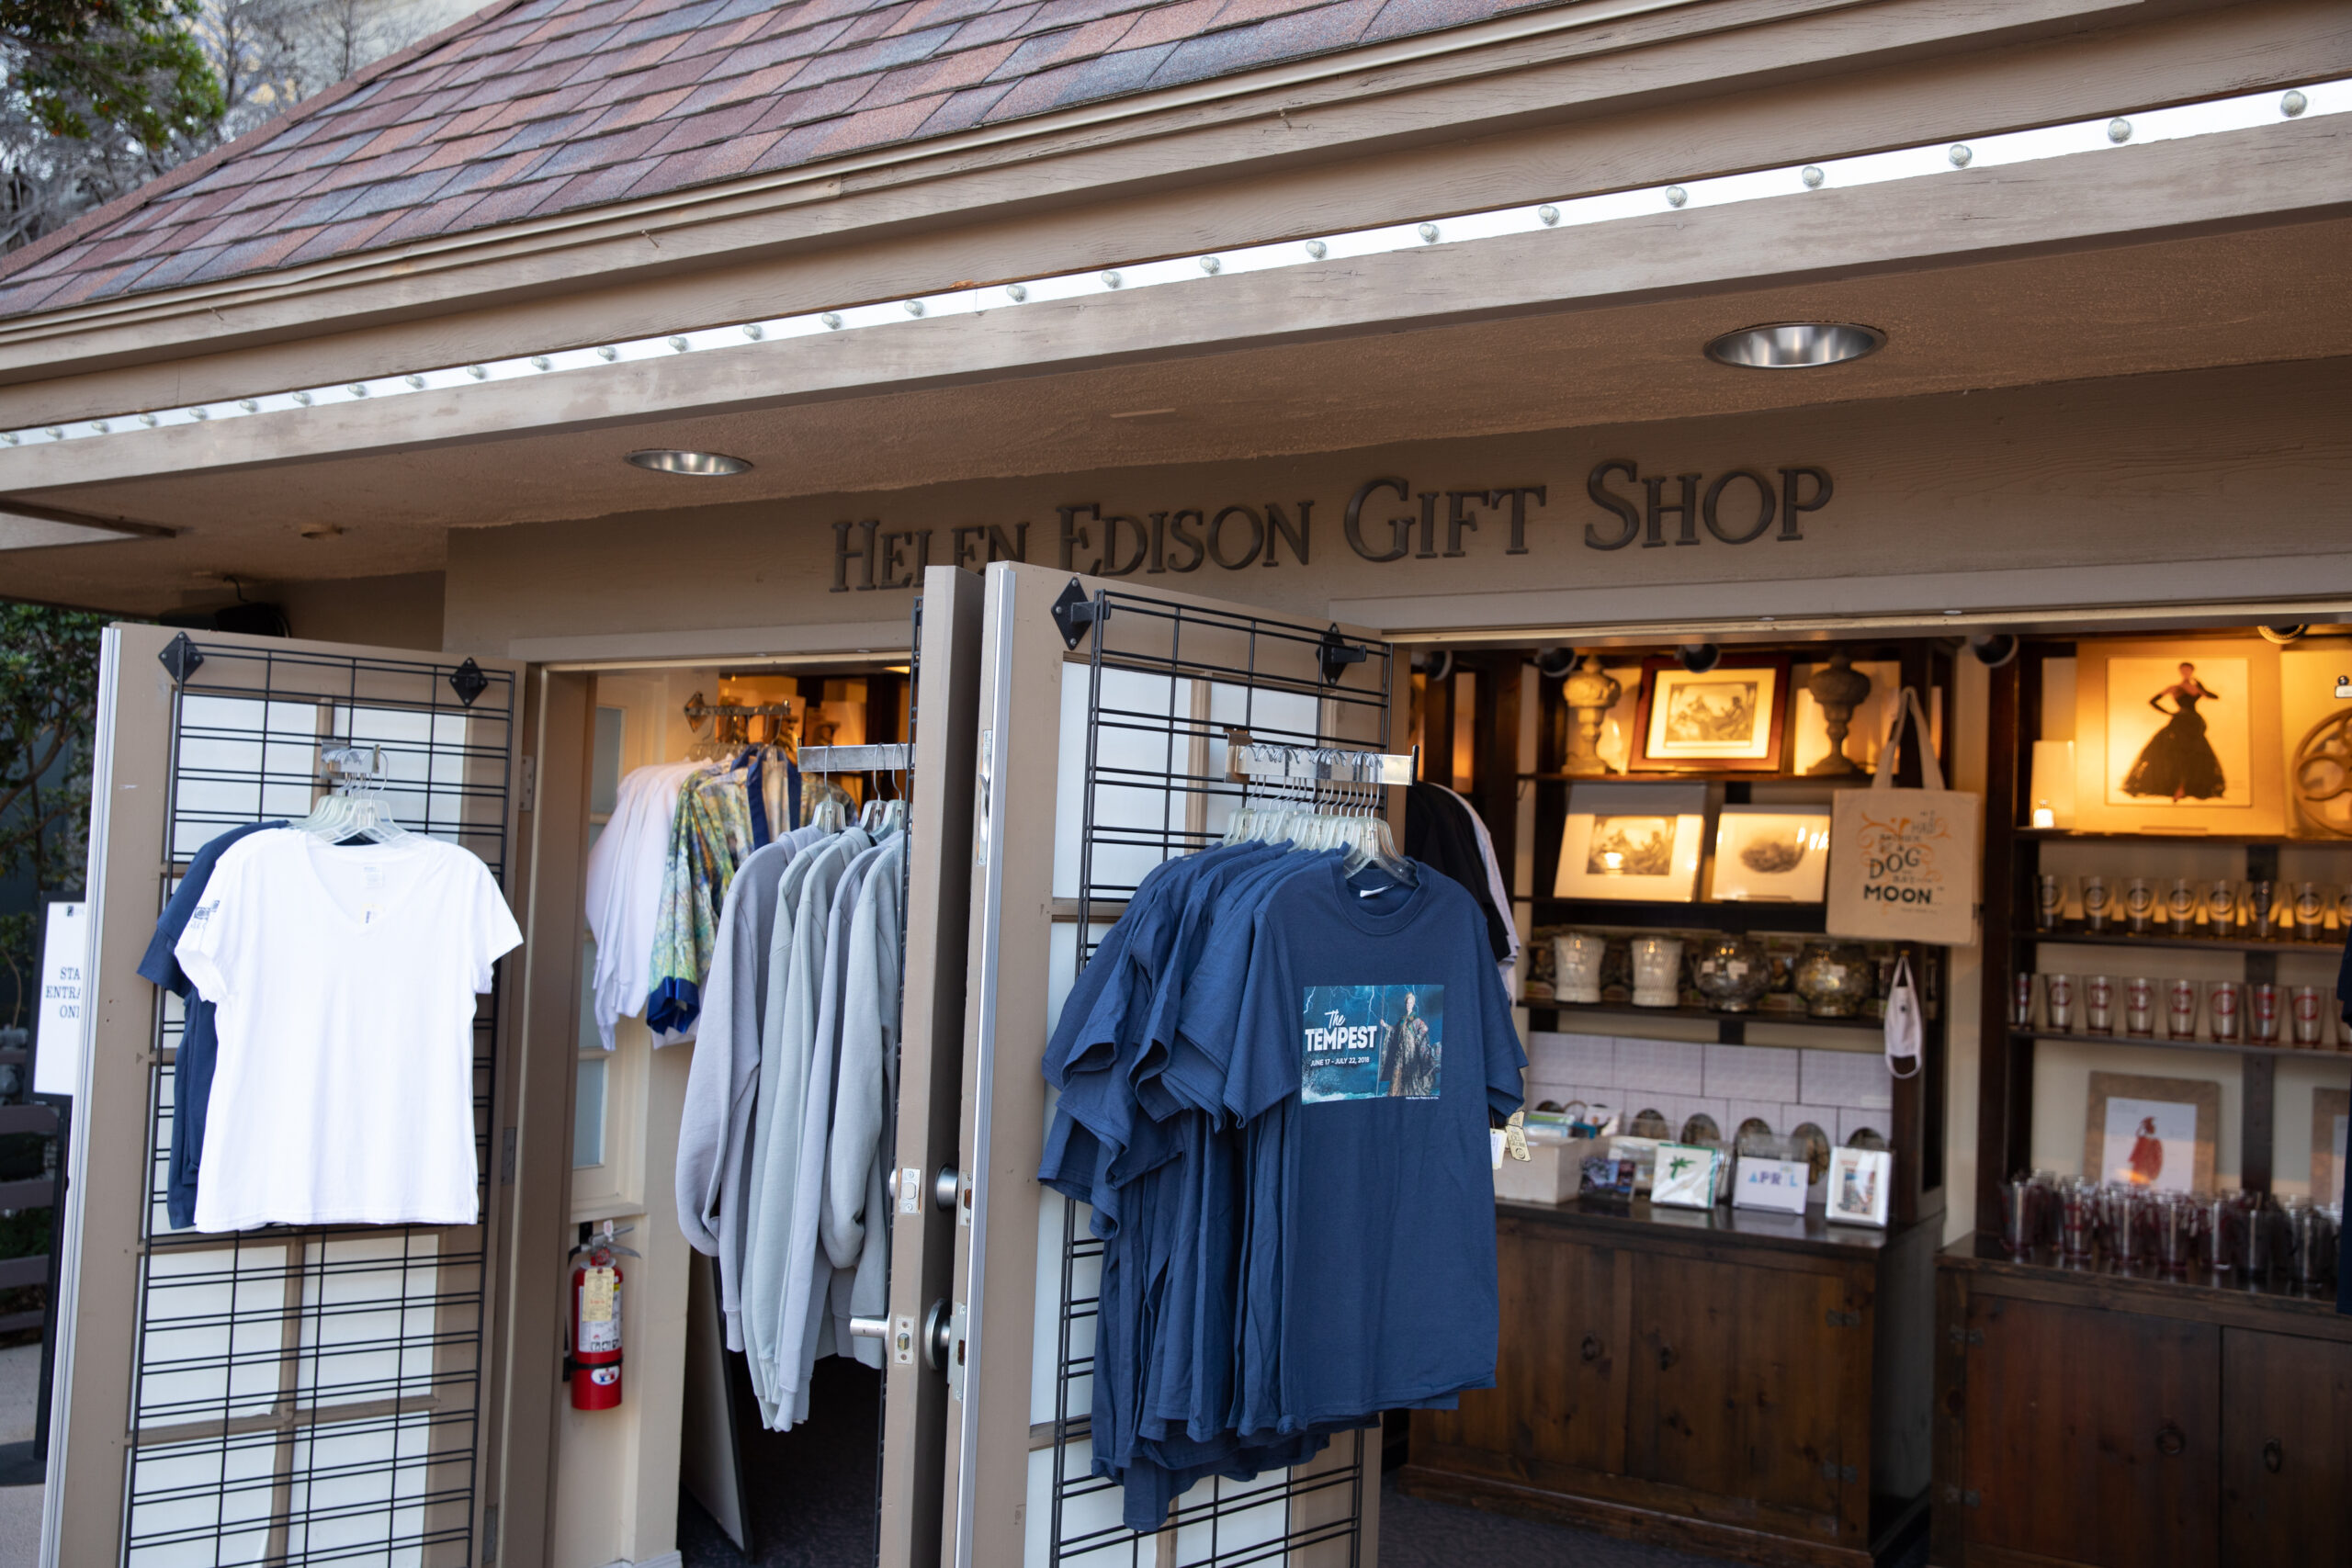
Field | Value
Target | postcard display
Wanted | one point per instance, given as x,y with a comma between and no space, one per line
1710,1113
2166,1080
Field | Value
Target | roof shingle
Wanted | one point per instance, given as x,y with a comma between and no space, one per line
544,106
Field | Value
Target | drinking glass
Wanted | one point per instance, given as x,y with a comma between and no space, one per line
2224,1241
2174,1216
2222,1015
2140,1006
2098,1004
2262,1012
2127,1235
2311,1241
2058,1003
2099,908
2180,1009
2078,1219
2180,905
2221,903
2049,901
2306,1004
2139,905
2020,1200
2021,1001
2261,909
2311,912
2262,1239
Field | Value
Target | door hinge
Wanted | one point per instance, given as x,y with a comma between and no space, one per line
1963,1337
506,1159
1950,1494
1843,1319
527,788
490,1533
1832,1471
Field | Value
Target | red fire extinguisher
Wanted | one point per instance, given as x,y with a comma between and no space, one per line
594,1367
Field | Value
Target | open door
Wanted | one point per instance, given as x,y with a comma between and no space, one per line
1104,712
930,1065
281,1394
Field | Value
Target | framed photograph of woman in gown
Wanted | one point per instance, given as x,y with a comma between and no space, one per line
2182,737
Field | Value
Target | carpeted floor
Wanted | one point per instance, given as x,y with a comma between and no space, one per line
811,1491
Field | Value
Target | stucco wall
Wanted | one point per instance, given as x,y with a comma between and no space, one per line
2054,495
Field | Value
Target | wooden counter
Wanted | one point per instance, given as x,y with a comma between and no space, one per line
1749,1384
2087,1416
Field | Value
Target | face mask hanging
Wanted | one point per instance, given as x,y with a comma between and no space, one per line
1903,1029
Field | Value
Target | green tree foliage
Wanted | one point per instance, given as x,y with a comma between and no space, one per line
88,69
48,704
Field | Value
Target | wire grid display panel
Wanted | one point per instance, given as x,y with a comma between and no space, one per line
313,1396
1144,724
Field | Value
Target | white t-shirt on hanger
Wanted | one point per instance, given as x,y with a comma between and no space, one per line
346,978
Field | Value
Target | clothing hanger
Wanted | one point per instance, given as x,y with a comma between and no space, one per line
355,808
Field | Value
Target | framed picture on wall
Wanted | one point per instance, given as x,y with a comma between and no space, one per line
1778,852
2179,736
1635,841
1730,719
2331,1110
2155,1133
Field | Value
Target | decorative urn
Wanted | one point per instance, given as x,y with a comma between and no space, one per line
1590,691
1839,688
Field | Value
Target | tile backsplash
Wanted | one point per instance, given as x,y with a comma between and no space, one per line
1839,1091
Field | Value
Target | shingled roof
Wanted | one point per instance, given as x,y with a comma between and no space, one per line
543,107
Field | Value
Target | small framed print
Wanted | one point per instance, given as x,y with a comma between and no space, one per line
2155,1133
1632,842
1685,1178
1730,719
1861,1182
1775,852
1776,1184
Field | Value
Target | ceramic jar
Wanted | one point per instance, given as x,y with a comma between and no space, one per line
1576,966
1731,971
1657,971
1835,980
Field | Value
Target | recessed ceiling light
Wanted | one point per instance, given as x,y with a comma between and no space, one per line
1794,345
708,465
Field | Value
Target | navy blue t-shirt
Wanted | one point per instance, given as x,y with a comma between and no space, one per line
1375,1043
199,1046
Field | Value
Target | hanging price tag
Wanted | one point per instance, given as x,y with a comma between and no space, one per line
596,1296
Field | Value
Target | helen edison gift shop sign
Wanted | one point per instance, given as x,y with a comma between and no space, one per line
1386,519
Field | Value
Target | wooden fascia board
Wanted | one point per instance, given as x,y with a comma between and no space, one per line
2300,172
1440,86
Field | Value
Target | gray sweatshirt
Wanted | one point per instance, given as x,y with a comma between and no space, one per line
856,1226
794,980
715,1127
806,1322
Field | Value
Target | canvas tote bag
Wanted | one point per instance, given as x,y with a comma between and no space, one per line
1906,864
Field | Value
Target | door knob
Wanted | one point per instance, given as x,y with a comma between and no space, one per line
2170,1439
2274,1456
1591,1347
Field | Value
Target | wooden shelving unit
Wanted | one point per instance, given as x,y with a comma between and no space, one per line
2012,865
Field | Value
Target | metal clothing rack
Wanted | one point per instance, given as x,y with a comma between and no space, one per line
883,757
315,1394
732,722
1247,757
1173,692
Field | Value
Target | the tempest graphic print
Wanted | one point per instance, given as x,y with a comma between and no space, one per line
1372,1043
